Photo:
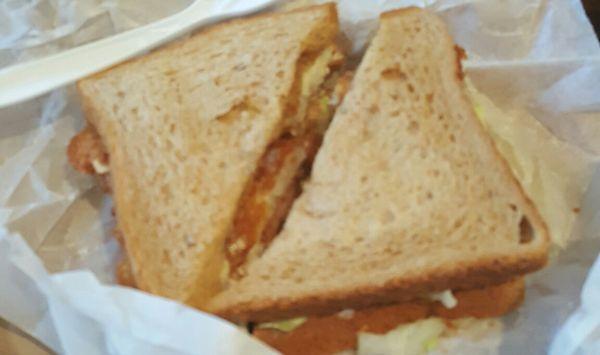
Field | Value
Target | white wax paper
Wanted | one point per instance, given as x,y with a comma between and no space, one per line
537,60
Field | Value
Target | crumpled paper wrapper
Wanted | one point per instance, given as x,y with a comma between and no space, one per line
534,69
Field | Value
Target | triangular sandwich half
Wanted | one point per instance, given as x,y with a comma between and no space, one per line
408,194
204,143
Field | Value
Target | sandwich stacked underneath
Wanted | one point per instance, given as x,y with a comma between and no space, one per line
333,333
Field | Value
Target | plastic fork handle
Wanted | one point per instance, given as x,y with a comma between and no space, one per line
28,80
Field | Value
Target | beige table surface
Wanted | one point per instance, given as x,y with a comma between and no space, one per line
15,342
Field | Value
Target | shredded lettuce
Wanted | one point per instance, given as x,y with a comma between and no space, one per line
431,344
478,108
551,172
99,167
285,325
446,298
409,339
324,105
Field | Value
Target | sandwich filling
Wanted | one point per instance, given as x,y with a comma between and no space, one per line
343,331
269,195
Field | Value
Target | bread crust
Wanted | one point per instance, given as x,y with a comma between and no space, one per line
475,276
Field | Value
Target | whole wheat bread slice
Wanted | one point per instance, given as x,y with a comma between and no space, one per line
184,128
408,194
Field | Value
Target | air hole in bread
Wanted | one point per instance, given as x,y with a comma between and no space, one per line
413,126
410,88
458,223
452,138
388,217
525,231
345,249
373,109
166,258
393,74
165,192
240,66
429,195
429,98
512,207
288,272
205,200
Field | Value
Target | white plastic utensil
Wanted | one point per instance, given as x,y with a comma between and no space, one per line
28,80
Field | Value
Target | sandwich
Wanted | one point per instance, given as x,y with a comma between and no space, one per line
408,199
204,144
251,179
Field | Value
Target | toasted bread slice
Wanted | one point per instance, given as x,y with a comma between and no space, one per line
184,129
335,333
408,194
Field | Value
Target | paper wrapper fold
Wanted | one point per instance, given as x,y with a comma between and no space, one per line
534,71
